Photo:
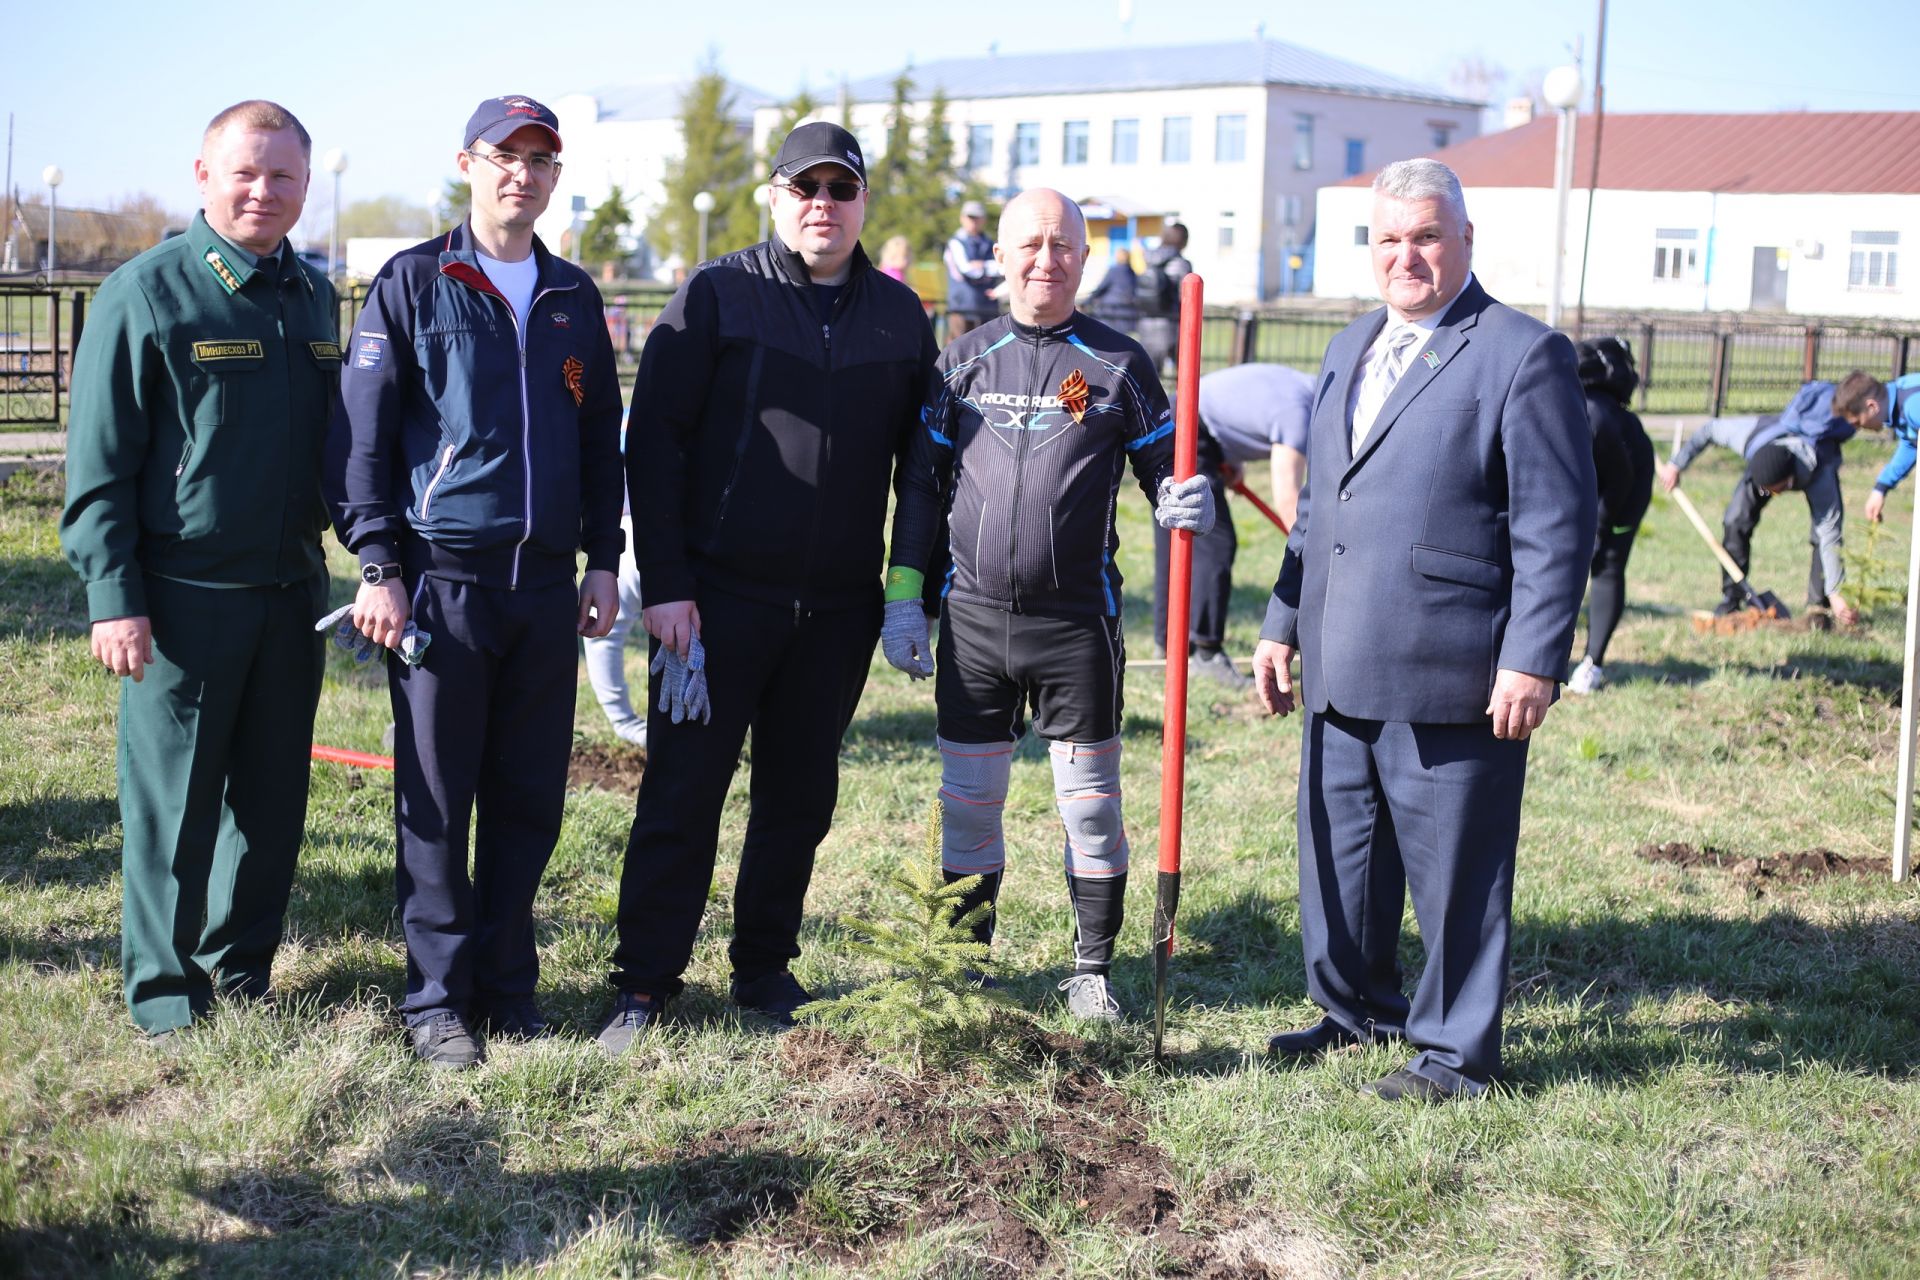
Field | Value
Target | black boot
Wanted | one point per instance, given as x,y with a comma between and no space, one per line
987,891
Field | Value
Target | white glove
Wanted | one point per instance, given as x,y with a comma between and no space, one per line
1185,504
683,683
903,639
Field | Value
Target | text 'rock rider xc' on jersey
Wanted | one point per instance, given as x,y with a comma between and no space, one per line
1023,443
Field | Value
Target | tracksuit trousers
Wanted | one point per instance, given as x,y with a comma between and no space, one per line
793,678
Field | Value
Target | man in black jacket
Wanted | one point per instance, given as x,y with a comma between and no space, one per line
775,393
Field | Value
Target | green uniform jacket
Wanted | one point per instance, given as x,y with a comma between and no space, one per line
201,394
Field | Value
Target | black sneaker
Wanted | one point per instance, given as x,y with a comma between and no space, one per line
445,1043
774,995
1218,667
517,1020
633,1012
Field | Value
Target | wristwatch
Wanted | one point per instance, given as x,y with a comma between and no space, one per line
375,574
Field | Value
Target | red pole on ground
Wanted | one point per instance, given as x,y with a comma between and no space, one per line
358,759
1173,735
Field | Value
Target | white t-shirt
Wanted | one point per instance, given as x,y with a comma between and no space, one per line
515,280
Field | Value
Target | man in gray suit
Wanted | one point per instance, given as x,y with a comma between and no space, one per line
1430,586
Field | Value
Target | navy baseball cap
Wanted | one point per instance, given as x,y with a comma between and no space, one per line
495,120
819,143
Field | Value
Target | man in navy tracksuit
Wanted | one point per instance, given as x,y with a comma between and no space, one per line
484,453
1023,447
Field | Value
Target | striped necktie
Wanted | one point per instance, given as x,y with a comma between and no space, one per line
1382,374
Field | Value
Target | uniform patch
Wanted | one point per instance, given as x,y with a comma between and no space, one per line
572,370
222,272
230,349
369,353
1073,394
324,350
561,320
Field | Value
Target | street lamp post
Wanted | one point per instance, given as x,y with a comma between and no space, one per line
52,176
336,164
702,205
1561,89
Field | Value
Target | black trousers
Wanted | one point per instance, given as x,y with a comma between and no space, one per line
486,724
1741,518
1212,577
794,681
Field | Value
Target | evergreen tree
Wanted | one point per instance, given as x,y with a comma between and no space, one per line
456,201
718,160
803,106
931,1004
601,241
917,186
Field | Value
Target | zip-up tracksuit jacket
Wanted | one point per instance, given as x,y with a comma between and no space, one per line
470,454
1025,471
483,454
1901,414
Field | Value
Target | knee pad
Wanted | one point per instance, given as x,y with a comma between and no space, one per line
1086,786
973,795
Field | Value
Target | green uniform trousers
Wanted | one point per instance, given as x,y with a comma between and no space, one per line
215,747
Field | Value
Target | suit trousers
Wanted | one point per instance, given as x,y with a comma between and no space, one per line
1386,808
483,730
794,679
215,751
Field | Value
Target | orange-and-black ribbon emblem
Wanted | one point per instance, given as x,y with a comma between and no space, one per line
1073,394
572,370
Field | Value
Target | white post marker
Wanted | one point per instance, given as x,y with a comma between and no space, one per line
1909,690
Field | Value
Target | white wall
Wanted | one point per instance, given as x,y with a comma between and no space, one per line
1513,248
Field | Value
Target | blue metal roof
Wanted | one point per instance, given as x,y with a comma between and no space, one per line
661,100
1240,62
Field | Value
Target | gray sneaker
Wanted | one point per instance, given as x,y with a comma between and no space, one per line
632,1014
444,1042
1089,999
1219,668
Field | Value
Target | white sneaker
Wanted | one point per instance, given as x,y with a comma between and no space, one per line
1089,999
1586,678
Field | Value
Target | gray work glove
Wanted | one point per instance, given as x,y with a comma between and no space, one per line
903,639
683,683
1185,504
413,641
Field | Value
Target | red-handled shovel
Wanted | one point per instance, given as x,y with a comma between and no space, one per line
1173,736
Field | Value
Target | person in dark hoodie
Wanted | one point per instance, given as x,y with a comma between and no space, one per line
1623,461
484,454
774,394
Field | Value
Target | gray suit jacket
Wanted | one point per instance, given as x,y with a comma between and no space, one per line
1457,542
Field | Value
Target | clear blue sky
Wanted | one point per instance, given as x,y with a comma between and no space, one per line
117,93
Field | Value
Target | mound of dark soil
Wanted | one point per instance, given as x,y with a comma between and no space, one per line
942,1151
1807,864
615,768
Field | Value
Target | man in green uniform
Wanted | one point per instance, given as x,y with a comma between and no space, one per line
202,390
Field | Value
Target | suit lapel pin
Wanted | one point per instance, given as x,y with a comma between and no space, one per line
1433,361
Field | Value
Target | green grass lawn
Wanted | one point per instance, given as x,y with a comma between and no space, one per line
1710,1070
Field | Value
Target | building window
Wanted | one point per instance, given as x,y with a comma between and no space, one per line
1073,142
1356,156
1226,232
1676,254
1229,139
1302,140
979,146
1026,142
1176,140
1875,261
1360,237
1442,134
1126,142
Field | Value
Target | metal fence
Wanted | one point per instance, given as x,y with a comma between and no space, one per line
1704,365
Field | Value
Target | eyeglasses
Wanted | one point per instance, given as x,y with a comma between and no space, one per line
539,165
808,188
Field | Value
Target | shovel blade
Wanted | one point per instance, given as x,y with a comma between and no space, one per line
1166,905
1771,605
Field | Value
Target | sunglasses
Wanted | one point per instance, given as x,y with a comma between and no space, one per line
842,192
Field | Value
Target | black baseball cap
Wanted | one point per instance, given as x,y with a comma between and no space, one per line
1770,464
496,119
819,143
